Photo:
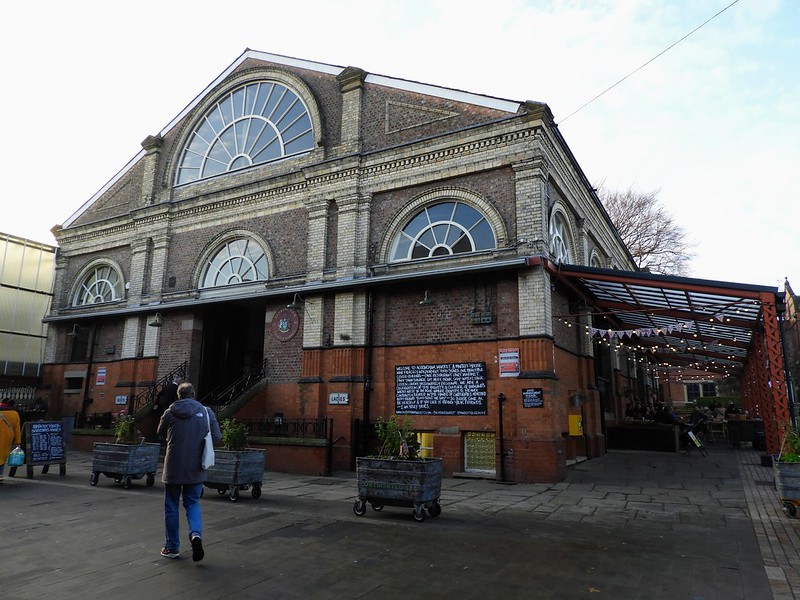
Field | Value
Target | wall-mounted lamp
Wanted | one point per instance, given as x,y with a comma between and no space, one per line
297,303
426,300
157,321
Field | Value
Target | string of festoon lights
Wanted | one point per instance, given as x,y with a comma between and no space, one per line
624,340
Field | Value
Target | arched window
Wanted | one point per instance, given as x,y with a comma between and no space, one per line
254,124
236,261
595,260
443,229
100,283
559,245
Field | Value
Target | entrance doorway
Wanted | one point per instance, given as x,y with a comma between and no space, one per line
233,344
479,452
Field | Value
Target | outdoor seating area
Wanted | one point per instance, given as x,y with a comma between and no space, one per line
666,429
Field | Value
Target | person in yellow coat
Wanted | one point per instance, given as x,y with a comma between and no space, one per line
10,434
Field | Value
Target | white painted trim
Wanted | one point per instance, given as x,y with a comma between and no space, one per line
295,62
448,93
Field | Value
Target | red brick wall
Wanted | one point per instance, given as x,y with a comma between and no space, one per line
135,375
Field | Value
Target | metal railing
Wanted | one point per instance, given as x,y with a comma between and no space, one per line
148,397
280,427
228,393
21,395
96,420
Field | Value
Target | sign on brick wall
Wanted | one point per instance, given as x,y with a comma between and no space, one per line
443,389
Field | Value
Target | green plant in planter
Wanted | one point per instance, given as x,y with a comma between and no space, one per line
790,448
234,434
124,426
397,438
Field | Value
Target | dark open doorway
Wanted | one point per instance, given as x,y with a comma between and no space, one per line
233,343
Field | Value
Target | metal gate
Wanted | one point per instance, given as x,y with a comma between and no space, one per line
479,452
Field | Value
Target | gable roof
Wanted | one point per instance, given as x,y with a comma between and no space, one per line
482,100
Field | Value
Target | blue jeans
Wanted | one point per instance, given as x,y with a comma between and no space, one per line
191,502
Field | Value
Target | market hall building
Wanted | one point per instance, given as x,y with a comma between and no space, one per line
317,247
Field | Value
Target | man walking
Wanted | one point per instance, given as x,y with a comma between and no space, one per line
185,424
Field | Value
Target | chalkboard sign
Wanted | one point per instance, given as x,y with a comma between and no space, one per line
532,398
444,389
44,445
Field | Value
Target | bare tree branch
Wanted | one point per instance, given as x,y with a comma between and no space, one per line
655,240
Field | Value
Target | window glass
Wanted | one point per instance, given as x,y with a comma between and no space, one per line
558,240
253,124
709,389
442,229
102,284
237,261
483,235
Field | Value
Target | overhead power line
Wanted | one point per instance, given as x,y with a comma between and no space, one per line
608,89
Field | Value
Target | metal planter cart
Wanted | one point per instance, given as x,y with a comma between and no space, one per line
787,483
125,462
413,484
237,470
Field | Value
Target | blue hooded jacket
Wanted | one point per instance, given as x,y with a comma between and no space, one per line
184,426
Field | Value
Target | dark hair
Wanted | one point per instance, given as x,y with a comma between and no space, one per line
185,390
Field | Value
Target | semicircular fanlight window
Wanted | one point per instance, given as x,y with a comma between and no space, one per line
254,124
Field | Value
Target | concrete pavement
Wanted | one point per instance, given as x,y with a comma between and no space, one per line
629,525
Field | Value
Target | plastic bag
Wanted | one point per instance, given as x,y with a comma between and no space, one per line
16,457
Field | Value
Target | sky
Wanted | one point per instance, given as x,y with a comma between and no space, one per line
710,122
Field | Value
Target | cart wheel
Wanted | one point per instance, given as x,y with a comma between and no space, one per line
127,483
256,491
151,479
791,509
93,478
376,506
360,508
435,509
234,495
419,514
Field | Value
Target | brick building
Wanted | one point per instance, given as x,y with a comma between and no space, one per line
371,246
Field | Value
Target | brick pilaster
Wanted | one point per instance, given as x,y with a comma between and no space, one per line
351,82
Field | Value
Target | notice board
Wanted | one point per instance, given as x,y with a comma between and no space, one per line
532,398
44,445
441,389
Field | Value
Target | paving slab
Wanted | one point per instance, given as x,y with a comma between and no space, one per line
628,525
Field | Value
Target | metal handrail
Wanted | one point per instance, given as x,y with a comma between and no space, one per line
217,400
148,396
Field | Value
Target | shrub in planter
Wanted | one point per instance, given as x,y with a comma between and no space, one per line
128,458
234,434
397,476
787,472
396,438
236,467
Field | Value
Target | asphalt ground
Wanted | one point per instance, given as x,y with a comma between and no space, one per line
628,525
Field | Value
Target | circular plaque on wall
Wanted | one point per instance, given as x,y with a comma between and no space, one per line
285,324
